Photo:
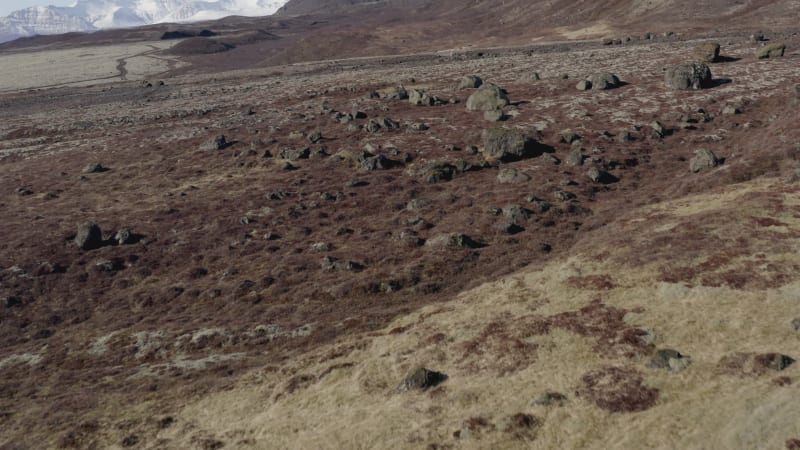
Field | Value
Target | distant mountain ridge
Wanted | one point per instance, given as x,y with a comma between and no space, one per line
91,15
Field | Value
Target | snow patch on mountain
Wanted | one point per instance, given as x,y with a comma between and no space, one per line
91,15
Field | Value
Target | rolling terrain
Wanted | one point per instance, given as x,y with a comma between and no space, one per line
273,246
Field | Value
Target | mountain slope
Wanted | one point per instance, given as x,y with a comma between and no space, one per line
90,15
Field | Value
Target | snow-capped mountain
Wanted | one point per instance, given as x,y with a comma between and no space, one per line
89,15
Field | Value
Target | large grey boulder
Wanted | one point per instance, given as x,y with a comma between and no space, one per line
707,52
89,236
771,51
688,76
488,98
505,144
703,160
604,80
512,176
419,98
470,82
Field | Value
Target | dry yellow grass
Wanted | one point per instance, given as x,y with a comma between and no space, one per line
350,402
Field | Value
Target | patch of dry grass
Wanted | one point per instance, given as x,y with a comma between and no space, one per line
613,399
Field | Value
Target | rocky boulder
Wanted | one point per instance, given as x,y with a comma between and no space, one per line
604,80
420,98
488,98
94,168
774,50
669,359
470,82
707,52
688,76
215,143
505,144
454,240
512,176
421,378
703,160
89,236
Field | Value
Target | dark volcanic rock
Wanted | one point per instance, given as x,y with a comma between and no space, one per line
110,265
24,191
452,240
89,236
703,160
124,236
600,176
421,378
511,175
688,76
291,154
604,80
505,144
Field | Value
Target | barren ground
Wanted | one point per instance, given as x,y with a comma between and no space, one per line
224,324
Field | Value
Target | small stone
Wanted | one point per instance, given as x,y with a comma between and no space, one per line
215,143
574,158
123,236
110,265
568,137
421,378
583,85
550,159
315,136
730,110
563,195
550,399
795,324
658,127
291,154
598,175
390,286
24,191
455,240
357,183
94,168
321,247
511,175
669,359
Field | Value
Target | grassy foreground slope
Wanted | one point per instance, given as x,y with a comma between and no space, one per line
673,275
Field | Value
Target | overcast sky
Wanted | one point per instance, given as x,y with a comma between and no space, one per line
7,6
